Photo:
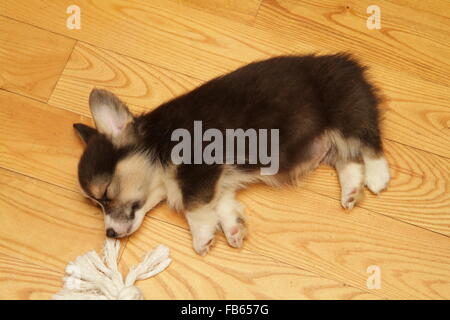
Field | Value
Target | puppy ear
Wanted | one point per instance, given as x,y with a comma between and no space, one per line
85,132
111,115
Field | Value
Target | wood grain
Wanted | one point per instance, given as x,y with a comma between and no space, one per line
39,141
419,195
436,8
141,85
160,32
31,59
44,224
21,280
416,112
407,41
226,273
242,11
414,262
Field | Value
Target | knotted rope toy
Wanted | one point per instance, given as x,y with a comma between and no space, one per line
91,278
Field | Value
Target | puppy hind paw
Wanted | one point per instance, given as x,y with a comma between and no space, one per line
377,174
376,184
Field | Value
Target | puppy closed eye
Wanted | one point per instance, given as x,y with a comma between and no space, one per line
104,198
103,201
135,206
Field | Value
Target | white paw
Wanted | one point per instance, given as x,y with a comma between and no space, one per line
351,180
201,245
351,197
203,224
377,174
235,233
232,222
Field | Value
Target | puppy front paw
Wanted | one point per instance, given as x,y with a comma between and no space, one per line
203,224
350,198
235,233
202,247
232,222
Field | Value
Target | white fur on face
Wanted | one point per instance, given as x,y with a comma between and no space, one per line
156,195
135,179
120,227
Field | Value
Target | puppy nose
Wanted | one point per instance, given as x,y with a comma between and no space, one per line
110,233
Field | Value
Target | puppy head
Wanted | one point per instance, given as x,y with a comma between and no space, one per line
112,171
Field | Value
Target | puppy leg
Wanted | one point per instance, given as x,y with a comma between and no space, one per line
199,190
203,223
377,172
231,218
351,178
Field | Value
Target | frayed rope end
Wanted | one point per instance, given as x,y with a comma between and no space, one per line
92,278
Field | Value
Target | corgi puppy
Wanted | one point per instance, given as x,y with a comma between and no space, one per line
318,109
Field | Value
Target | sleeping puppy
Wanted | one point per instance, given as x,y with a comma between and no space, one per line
271,121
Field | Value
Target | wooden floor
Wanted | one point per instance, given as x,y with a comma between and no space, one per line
302,245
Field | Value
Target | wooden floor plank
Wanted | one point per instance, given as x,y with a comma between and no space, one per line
408,40
419,192
141,85
435,8
32,59
21,280
160,32
415,112
226,273
39,141
414,262
44,224
242,11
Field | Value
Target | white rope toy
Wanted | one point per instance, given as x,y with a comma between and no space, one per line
92,278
